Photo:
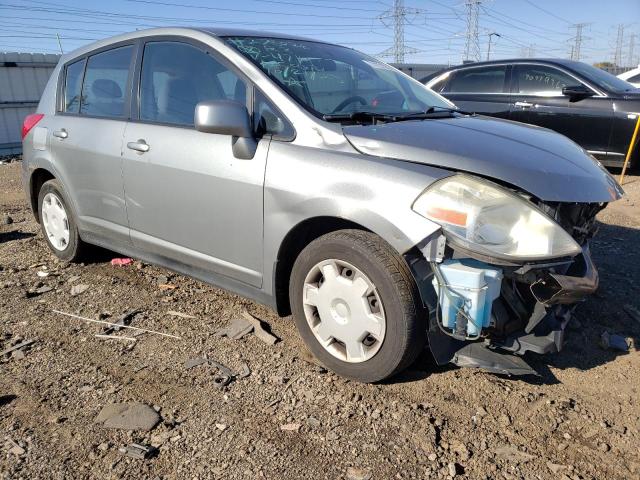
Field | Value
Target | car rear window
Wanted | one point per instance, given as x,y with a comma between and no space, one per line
105,83
73,86
478,80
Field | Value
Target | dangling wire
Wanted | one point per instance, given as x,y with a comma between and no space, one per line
443,288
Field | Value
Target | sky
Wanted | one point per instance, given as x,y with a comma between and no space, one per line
434,29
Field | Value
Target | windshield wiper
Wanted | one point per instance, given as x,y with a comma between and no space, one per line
432,112
358,116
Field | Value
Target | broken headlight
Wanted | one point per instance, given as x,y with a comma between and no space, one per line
488,219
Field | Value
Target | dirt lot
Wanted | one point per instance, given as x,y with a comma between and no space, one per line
580,419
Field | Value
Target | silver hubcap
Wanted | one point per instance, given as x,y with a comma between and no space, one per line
55,221
344,311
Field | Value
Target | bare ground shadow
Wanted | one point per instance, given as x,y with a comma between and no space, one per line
14,235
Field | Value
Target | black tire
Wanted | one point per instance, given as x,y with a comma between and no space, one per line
76,247
406,323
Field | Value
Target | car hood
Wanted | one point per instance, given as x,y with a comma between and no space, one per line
536,160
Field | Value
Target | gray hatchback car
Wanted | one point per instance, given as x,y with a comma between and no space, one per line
324,183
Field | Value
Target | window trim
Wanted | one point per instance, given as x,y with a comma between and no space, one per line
217,56
85,56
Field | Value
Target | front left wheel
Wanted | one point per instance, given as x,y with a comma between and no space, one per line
356,305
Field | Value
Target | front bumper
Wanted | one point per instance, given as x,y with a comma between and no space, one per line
542,331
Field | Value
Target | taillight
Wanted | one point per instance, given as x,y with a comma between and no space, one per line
30,121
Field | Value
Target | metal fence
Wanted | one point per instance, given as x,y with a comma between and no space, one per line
23,77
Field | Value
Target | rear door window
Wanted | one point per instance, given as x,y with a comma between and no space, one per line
478,80
73,86
541,80
177,76
105,83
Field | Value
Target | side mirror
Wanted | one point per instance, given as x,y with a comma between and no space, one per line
577,92
226,117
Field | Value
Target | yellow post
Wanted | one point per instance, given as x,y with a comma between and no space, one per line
633,142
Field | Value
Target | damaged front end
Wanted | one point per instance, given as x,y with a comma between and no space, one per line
486,310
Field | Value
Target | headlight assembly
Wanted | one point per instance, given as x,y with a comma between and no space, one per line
488,219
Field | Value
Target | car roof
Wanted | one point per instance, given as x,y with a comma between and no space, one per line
242,32
180,30
551,61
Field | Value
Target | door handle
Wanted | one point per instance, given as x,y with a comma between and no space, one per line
62,133
524,104
140,146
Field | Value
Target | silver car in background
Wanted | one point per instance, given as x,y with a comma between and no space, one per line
324,183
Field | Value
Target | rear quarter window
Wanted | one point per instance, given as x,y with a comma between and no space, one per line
73,86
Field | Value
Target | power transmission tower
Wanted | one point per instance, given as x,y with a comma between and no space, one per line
400,16
472,43
577,40
632,46
617,55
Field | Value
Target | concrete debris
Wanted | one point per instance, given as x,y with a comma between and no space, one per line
555,467
453,470
17,450
139,451
236,329
18,347
244,372
7,220
79,289
290,427
354,473
123,320
221,426
260,331
512,454
194,362
42,274
128,416
39,291
179,314
612,341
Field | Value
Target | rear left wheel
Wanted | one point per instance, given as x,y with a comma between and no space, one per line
356,305
58,223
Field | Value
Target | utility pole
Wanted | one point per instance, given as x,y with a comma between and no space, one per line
472,44
578,39
632,46
489,45
398,14
617,55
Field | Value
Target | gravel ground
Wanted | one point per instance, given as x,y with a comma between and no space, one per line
290,417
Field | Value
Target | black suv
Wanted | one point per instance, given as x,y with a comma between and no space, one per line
590,106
